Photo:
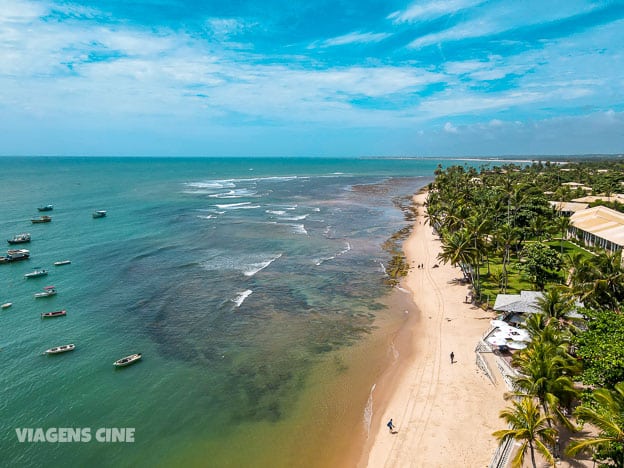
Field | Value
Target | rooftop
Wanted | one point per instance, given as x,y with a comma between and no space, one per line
602,222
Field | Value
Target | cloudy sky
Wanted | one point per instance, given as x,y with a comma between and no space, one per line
311,77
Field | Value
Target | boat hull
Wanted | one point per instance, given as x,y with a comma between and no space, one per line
61,349
128,360
58,313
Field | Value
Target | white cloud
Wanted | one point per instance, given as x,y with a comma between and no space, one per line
432,9
450,128
351,38
499,17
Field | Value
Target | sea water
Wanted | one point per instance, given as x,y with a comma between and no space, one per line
249,285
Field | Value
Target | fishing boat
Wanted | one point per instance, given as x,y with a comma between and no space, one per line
41,219
126,361
20,239
46,208
56,313
99,213
61,349
14,255
62,262
6,305
47,292
38,271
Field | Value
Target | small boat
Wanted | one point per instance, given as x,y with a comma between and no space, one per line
41,219
6,305
127,360
46,208
99,214
47,292
38,271
62,262
56,313
61,349
19,239
14,255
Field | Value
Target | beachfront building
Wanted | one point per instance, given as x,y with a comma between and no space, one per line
517,306
600,227
616,198
568,208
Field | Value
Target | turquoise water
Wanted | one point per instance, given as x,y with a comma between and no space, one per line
238,279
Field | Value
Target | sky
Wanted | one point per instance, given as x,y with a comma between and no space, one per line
311,77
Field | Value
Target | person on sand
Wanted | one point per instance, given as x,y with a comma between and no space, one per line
452,357
390,426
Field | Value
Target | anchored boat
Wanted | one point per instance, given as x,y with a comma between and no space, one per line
56,313
41,219
19,239
62,262
61,349
99,214
38,271
47,292
14,255
126,361
46,208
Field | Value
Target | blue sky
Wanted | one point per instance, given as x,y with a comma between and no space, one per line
311,78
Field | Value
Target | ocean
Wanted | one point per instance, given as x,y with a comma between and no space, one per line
254,288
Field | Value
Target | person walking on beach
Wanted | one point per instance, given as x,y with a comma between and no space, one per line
452,357
390,426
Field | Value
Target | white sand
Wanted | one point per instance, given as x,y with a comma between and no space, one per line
444,413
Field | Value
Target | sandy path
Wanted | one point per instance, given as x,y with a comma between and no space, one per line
445,413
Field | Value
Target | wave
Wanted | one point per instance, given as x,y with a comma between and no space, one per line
206,216
254,268
325,259
383,269
298,229
237,206
294,218
241,297
236,193
368,411
276,212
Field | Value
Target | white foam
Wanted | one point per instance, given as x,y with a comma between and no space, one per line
383,269
368,411
254,268
323,260
299,229
294,218
236,193
276,212
237,206
241,297
206,217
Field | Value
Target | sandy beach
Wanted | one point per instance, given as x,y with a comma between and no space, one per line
444,412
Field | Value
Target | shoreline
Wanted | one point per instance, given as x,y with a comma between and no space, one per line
444,413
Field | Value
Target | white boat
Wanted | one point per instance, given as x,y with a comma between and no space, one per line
38,271
14,255
47,292
20,238
99,213
61,349
126,361
62,262
6,305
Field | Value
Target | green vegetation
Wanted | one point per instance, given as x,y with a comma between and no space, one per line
497,226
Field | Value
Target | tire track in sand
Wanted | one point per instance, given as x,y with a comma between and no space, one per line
416,415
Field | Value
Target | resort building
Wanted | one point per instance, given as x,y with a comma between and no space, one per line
599,226
616,197
568,208
523,303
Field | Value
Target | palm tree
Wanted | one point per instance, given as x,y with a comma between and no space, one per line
528,427
556,306
600,283
608,417
562,223
458,249
546,373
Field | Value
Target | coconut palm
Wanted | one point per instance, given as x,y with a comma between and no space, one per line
458,249
608,417
600,281
528,427
546,373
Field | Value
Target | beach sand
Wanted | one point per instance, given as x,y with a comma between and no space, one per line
444,413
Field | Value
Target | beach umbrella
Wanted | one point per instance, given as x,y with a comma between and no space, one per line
499,323
516,345
496,340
